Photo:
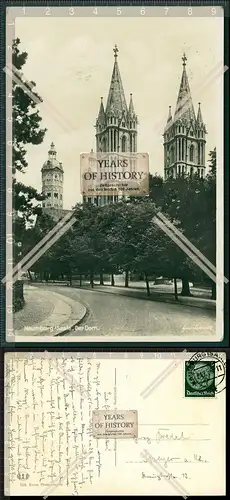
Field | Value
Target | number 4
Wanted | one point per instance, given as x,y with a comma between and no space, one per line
95,11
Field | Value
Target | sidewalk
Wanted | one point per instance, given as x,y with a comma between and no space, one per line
140,293
47,313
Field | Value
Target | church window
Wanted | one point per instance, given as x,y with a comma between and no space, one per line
191,170
123,124
49,195
191,132
191,153
198,153
55,195
123,144
104,146
111,120
130,124
60,196
202,172
198,133
179,130
179,150
182,169
56,176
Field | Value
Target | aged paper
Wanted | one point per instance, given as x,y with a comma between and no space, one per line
116,81
51,400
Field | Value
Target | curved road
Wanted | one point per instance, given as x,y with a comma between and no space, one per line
110,314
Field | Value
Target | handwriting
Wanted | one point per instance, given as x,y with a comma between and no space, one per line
168,476
49,406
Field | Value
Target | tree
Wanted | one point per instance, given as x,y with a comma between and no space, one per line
26,129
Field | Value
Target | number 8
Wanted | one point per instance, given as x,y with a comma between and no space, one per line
190,11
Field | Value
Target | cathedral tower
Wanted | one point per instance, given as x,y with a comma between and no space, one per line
184,135
116,124
52,180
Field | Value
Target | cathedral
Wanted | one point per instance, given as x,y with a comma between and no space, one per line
184,135
116,125
116,131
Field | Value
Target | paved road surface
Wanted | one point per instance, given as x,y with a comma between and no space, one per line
120,315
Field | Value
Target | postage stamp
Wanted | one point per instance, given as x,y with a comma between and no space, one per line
205,375
115,424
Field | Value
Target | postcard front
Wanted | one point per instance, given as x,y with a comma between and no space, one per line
114,178
88,424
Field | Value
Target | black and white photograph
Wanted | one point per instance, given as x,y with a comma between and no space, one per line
139,256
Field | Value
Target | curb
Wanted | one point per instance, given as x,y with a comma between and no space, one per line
211,306
46,331
67,330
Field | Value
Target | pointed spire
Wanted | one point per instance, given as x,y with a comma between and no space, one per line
169,115
116,102
169,120
184,106
199,116
101,114
131,106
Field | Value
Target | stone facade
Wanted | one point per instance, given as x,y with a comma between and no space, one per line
184,135
116,125
52,180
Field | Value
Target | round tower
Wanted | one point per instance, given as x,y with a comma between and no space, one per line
52,180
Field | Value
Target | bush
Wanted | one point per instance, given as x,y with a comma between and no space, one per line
18,296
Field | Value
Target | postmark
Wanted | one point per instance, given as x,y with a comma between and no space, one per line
205,374
116,424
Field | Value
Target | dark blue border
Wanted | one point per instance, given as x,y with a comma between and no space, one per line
114,345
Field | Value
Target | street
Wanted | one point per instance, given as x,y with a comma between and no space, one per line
111,314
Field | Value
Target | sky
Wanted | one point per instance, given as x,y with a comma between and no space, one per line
71,60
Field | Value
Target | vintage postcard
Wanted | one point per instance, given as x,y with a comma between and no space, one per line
114,174
88,424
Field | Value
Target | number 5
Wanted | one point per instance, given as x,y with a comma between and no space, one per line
118,11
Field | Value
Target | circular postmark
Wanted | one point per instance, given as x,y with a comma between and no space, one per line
202,372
